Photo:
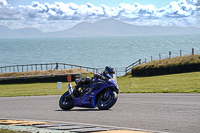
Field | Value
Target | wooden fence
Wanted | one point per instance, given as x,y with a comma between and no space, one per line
129,68
42,67
55,66
119,71
169,56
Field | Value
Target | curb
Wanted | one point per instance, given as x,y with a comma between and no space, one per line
40,126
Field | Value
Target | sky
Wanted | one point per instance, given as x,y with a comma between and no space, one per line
110,3
50,16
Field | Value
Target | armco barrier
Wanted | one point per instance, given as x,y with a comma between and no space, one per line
41,79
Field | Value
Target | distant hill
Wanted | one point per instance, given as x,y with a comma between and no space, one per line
30,32
20,33
6,32
107,27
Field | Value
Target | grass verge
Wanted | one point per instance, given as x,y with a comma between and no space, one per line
10,131
175,83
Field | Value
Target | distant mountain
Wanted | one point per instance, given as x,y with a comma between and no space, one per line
6,32
20,33
112,27
30,32
107,27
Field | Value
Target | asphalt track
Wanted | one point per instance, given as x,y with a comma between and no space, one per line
174,113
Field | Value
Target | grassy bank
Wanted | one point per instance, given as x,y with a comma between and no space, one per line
175,83
170,62
47,72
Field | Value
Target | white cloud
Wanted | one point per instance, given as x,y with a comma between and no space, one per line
3,3
44,16
195,2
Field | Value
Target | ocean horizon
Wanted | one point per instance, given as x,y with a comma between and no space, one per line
96,52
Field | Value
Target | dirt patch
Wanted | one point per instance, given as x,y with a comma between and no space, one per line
47,72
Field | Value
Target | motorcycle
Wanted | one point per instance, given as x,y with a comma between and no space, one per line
101,93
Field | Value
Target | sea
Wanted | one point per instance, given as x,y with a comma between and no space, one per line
97,52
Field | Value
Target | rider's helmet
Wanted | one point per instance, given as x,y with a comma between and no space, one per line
109,70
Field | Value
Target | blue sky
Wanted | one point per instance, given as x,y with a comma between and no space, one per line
59,15
111,3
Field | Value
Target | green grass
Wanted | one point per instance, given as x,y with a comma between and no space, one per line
34,89
175,83
10,131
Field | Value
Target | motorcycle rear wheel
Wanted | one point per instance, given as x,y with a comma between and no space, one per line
106,103
66,102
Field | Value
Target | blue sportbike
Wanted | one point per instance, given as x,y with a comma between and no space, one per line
100,93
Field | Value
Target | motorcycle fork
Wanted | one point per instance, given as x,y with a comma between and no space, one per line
106,94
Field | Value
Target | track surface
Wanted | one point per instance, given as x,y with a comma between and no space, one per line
174,113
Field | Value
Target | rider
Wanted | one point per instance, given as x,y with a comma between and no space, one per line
101,75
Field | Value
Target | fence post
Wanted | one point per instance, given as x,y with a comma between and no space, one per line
159,56
170,54
180,53
151,58
17,68
140,61
192,51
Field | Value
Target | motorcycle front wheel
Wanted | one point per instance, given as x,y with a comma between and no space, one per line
66,102
105,103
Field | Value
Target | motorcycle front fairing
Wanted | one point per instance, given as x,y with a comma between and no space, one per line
88,100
